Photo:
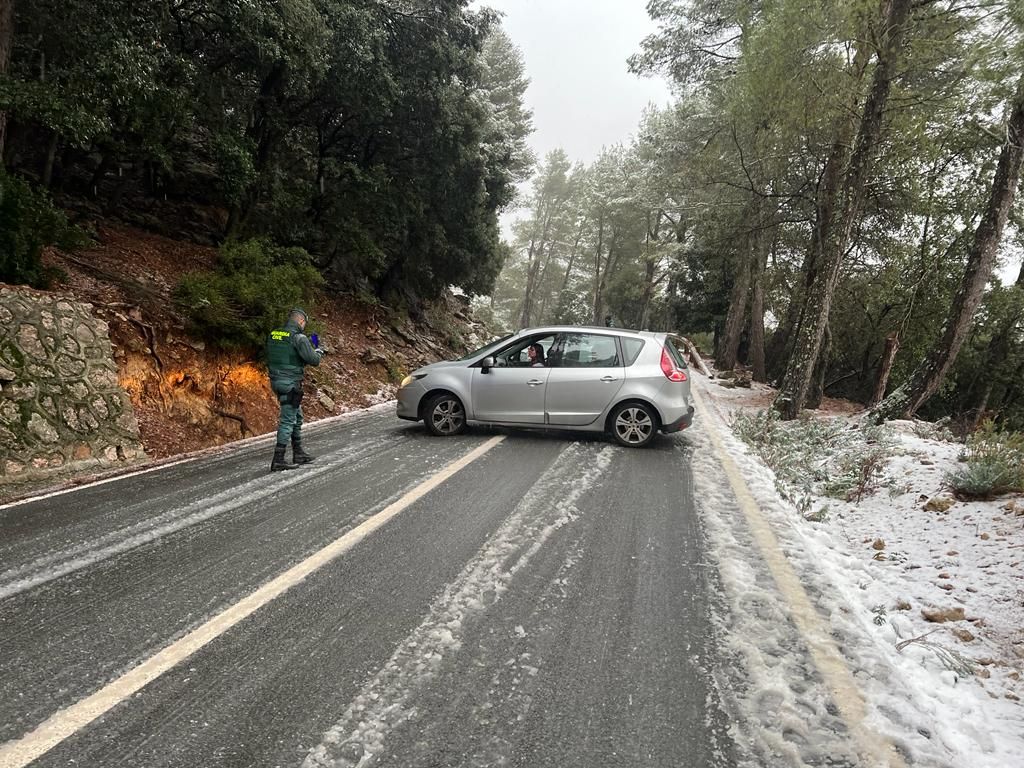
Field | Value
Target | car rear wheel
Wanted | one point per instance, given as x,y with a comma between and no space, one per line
633,424
444,415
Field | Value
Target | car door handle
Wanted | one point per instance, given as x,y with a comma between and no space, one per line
535,382
609,378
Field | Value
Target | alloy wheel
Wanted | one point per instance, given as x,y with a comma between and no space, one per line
633,425
447,416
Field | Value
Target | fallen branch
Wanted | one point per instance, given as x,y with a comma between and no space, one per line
952,660
694,355
901,645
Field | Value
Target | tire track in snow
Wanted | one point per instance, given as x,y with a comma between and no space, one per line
386,701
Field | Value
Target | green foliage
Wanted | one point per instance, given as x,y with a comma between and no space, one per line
830,457
28,223
395,370
994,464
250,292
383,140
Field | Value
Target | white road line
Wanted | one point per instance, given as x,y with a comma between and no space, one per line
93,484
824,652
310,428
66,722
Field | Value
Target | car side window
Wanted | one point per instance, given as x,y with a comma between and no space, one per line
511,358
518,355
631,348
585,350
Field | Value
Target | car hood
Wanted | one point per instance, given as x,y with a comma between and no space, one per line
441,366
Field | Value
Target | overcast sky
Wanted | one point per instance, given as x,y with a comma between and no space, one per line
581,93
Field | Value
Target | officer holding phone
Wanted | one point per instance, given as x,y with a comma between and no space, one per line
289,351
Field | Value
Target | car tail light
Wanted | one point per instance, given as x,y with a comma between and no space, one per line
668,367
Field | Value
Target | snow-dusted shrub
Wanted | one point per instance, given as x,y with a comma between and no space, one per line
818,457
935,430
994,464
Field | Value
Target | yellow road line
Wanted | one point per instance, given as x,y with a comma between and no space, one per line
66,722
815,631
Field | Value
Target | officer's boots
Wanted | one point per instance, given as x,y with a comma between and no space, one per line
279,462
299,456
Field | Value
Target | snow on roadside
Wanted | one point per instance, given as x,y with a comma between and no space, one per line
946,694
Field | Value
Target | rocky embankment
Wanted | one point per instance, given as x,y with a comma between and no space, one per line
62,407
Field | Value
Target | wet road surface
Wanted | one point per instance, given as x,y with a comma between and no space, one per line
544,605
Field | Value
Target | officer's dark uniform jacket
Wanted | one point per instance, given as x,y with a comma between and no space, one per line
289,350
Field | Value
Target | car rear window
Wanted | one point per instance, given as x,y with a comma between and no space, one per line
678,357
631,348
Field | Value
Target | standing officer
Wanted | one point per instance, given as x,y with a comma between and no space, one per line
289,351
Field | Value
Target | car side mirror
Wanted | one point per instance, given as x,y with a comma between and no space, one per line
486,364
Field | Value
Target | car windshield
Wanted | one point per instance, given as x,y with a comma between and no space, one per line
485,347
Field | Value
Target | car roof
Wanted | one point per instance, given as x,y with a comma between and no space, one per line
597,328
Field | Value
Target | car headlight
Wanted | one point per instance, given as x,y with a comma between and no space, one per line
410,379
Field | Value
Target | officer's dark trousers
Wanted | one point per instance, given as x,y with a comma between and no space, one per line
290,422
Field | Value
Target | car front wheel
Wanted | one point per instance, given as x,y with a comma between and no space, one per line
634,424
444,415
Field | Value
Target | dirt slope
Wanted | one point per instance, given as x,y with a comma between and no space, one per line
187,396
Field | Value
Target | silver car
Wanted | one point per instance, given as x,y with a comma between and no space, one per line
629,384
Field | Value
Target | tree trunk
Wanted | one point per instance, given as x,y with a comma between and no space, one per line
541,280
560,311
778,349
838,210
892,346
572,257
599,308
735,318
757,360
531,278
598,304
981,406
649,283
534,254
817,389
994,370
51,156
928,376
6,43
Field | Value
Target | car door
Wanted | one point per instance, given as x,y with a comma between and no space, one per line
512,391
587,372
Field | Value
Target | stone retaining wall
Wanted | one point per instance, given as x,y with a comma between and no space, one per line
61,407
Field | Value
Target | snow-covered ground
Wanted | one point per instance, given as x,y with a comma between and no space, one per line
922,595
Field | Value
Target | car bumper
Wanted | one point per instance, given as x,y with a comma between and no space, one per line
681,423
409,402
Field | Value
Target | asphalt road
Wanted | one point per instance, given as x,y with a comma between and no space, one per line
545,605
